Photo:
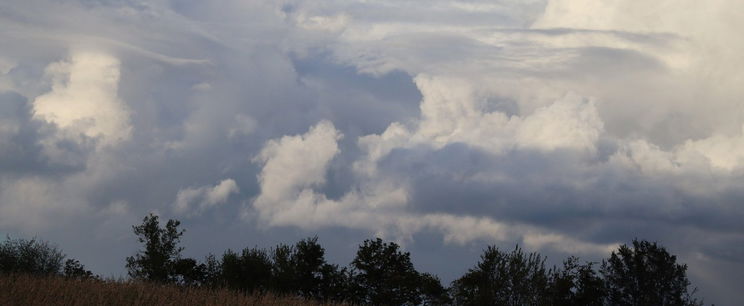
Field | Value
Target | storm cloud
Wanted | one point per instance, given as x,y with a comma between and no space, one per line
568,126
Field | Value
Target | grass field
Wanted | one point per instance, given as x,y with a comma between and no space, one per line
34,290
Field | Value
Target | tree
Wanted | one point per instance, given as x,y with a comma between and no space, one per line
502,278
188,272
250,271
74,269
383,275
283,271
432,291
646,274
157,261
309,261
30,256
302,270
212,272
335,284
576,284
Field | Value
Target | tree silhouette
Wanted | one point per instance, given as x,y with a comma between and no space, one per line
432,291
302,270
250,271
157,261
284,270
30,256
188,272
309,261
383,275
212,276
646,274
502,278
576,284
335,284
74,269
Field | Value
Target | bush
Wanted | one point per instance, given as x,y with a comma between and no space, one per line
30,256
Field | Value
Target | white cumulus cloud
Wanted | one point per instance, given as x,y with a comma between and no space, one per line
194,201
84,98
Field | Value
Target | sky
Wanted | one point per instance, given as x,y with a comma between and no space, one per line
568,127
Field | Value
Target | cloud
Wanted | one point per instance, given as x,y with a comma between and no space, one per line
194,201
292,165
564,125
84,98
571,122
295,167
244,126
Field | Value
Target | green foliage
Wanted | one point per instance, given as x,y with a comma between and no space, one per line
502,278
30,256
646,274
157,261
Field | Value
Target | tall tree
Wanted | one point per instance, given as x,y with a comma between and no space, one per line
576,284
309,260
157,261
383,275
284,270
646,274
502,278
302,270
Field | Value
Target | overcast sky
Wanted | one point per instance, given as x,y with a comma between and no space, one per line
565,126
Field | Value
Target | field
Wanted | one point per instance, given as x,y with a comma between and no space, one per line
34,290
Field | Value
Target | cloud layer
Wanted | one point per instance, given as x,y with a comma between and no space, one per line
568,126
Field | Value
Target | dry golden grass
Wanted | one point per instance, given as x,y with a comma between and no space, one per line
33,290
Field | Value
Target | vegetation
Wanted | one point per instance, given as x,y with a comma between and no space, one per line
646,274
161,256
382,274
642,273
502,278
25,289
37,258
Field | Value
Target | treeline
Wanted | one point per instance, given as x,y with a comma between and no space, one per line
38,258
642,273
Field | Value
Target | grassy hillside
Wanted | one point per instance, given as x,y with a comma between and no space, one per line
34,290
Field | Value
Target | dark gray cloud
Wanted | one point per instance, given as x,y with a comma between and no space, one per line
21,152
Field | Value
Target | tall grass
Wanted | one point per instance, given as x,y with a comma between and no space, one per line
23,289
